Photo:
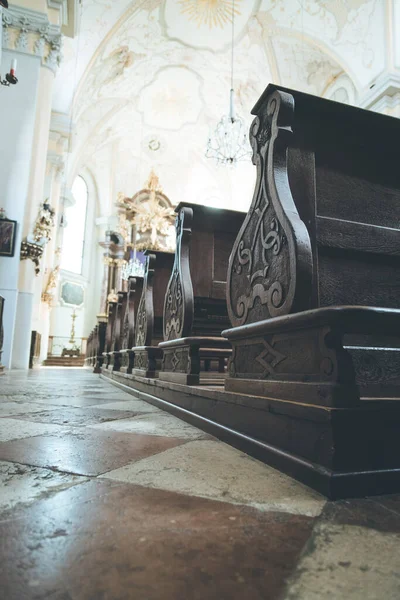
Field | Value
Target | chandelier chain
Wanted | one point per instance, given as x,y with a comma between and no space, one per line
233,40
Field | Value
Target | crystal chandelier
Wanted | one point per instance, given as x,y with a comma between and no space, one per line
229,143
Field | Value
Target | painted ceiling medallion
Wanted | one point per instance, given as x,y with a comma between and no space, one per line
205,23
154,145
213,13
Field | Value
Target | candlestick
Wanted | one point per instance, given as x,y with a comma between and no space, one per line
13,66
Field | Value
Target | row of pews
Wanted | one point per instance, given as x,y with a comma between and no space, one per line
279,330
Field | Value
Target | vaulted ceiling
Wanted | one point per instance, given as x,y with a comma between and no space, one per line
147,80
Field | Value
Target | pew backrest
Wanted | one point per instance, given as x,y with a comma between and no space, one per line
324,225
195,302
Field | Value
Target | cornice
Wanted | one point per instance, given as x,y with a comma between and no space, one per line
386,85
68,11
30,32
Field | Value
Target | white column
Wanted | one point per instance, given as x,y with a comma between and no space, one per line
24,123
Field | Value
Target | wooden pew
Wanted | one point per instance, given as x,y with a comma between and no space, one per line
99,345
195,310
112,311
89,347
135,288
1,332
149,321
322,236
115,354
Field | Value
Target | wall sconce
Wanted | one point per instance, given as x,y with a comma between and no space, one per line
10,77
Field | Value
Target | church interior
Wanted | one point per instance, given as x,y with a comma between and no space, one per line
199,299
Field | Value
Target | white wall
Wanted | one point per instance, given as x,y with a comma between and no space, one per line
17,123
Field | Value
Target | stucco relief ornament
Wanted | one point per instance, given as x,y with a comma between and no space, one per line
48,294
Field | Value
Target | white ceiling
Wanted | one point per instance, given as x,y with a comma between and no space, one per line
147,80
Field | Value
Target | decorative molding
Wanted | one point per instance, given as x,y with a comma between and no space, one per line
30,32
385,86
68,10
388,105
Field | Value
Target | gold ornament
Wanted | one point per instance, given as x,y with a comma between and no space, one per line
48,294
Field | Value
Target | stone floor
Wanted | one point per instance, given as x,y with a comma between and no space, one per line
104,497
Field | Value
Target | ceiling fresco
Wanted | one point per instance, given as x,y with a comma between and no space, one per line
152,78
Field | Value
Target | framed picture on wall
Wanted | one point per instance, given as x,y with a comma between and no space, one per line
72,294
8,230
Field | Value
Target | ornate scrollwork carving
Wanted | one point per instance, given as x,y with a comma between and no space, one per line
273,245
178,304
145,314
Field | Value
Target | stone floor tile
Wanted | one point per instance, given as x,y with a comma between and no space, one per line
52,400
211,469
160,423
137,406
379,512
102,540
77,417
14,429
23,484
347,562
85,451
11,409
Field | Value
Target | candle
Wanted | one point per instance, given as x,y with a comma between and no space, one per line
13,66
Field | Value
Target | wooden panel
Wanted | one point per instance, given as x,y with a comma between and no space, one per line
202,262
366,280
219,290
347,235
161,278
352,198
223,243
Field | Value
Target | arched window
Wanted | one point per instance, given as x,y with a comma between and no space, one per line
74,232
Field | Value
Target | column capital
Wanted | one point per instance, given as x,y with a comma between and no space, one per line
30,32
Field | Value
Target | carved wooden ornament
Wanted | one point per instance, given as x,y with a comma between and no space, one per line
178,304
272,251
145,314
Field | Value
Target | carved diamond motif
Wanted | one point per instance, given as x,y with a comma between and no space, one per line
175,360
269,358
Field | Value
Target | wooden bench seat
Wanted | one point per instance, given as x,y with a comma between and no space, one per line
195,310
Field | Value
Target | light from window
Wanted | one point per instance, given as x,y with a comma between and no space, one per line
74,232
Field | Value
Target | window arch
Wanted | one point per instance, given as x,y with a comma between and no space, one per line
74,231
